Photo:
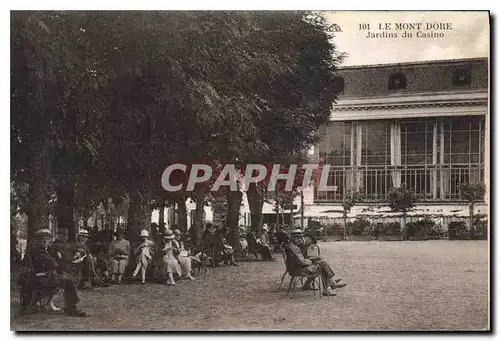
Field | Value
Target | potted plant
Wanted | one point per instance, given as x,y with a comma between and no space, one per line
479,229
422,229
472,193
336,231
359,230
457,230
401,199
390,231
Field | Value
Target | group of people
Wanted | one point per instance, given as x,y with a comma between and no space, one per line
54,261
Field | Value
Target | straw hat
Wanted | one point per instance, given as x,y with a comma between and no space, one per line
83,233
144,233
43,232
297,232
169,234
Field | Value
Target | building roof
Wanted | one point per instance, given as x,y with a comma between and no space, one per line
421,77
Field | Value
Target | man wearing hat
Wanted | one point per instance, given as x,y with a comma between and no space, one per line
82,256
119,252
46,268
312,264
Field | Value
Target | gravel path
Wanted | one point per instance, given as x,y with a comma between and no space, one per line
431,285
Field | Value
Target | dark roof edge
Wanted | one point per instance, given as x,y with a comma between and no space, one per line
419,63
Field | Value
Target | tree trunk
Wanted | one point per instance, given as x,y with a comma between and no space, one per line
135,215
65,192
471,218
233,214
38,195
344,214
161,214
403,226
277,209
196,225
255,203
283,215
301,209
182,212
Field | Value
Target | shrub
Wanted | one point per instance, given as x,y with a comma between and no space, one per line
378,229
335,229
480,227
392,229
457,228
358,227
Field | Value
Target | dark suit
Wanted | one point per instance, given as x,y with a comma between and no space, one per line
46,267
296,262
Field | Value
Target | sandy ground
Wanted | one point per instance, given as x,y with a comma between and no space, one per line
431,285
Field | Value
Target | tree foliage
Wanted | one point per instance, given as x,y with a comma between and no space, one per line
102,102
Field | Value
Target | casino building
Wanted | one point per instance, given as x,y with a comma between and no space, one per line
424,125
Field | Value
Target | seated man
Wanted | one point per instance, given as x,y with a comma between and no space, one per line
256,247
83,255
312,265
46,271
224,249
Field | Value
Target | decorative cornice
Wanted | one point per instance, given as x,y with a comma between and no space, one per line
412,105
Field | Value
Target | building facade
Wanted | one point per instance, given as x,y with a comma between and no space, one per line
422,125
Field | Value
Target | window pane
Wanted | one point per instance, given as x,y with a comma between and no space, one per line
416,142
462,140
375,183
339,177
335,145
418,180
376,144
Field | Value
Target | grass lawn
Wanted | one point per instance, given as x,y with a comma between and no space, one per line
430,285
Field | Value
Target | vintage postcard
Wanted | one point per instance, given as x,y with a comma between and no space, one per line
250,170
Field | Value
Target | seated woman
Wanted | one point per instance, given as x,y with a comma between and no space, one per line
169,264
144,255
183,257
119,252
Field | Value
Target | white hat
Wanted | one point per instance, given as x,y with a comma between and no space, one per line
169,234
265,227
43,232
144,233
83,232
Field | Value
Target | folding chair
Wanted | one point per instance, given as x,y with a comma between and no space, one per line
299,274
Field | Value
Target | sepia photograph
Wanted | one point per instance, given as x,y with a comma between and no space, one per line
249,170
